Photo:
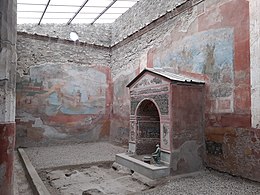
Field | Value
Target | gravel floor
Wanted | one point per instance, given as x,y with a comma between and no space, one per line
207,183
64,155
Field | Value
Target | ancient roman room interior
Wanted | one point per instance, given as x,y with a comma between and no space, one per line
89,88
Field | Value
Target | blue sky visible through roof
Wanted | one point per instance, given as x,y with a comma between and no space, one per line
63,11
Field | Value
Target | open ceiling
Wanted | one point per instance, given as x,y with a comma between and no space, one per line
71,11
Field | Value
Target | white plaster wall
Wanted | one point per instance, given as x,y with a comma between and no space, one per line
255,61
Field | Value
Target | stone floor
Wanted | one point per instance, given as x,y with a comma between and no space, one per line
99,178
204,182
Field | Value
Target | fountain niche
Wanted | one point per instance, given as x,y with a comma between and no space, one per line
147,127
166,109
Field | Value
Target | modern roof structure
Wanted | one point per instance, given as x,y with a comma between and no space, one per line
67,11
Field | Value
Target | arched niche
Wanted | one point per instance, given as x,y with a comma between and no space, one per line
147,126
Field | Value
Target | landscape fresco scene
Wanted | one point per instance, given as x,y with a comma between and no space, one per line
69,96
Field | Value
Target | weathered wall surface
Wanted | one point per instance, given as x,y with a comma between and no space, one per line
33,50
187,128
99,34
63,92
255,61
210,41
139,16
205,39
7,93
131,56
207,53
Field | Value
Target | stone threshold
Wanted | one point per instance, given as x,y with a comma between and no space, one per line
36,182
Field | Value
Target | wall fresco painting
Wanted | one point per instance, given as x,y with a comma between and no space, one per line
64,95
165,136
199,51
149,80
209,52
132,134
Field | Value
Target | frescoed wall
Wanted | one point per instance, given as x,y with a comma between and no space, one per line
218,52
59,100
208,53
208,40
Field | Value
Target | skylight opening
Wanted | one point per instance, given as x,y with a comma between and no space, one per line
67,11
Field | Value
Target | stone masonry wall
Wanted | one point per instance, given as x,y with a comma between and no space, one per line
33,50
140,15
63,91
99,34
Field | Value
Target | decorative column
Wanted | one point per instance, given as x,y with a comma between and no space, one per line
7,93
255,61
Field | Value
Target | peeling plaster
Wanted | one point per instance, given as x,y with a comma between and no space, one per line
128,71
215,17
188,20
255,61
143,61
189,152
48,131
24,117
10,140
2,172
38,123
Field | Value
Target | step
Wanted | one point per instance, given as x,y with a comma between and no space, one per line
149,170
